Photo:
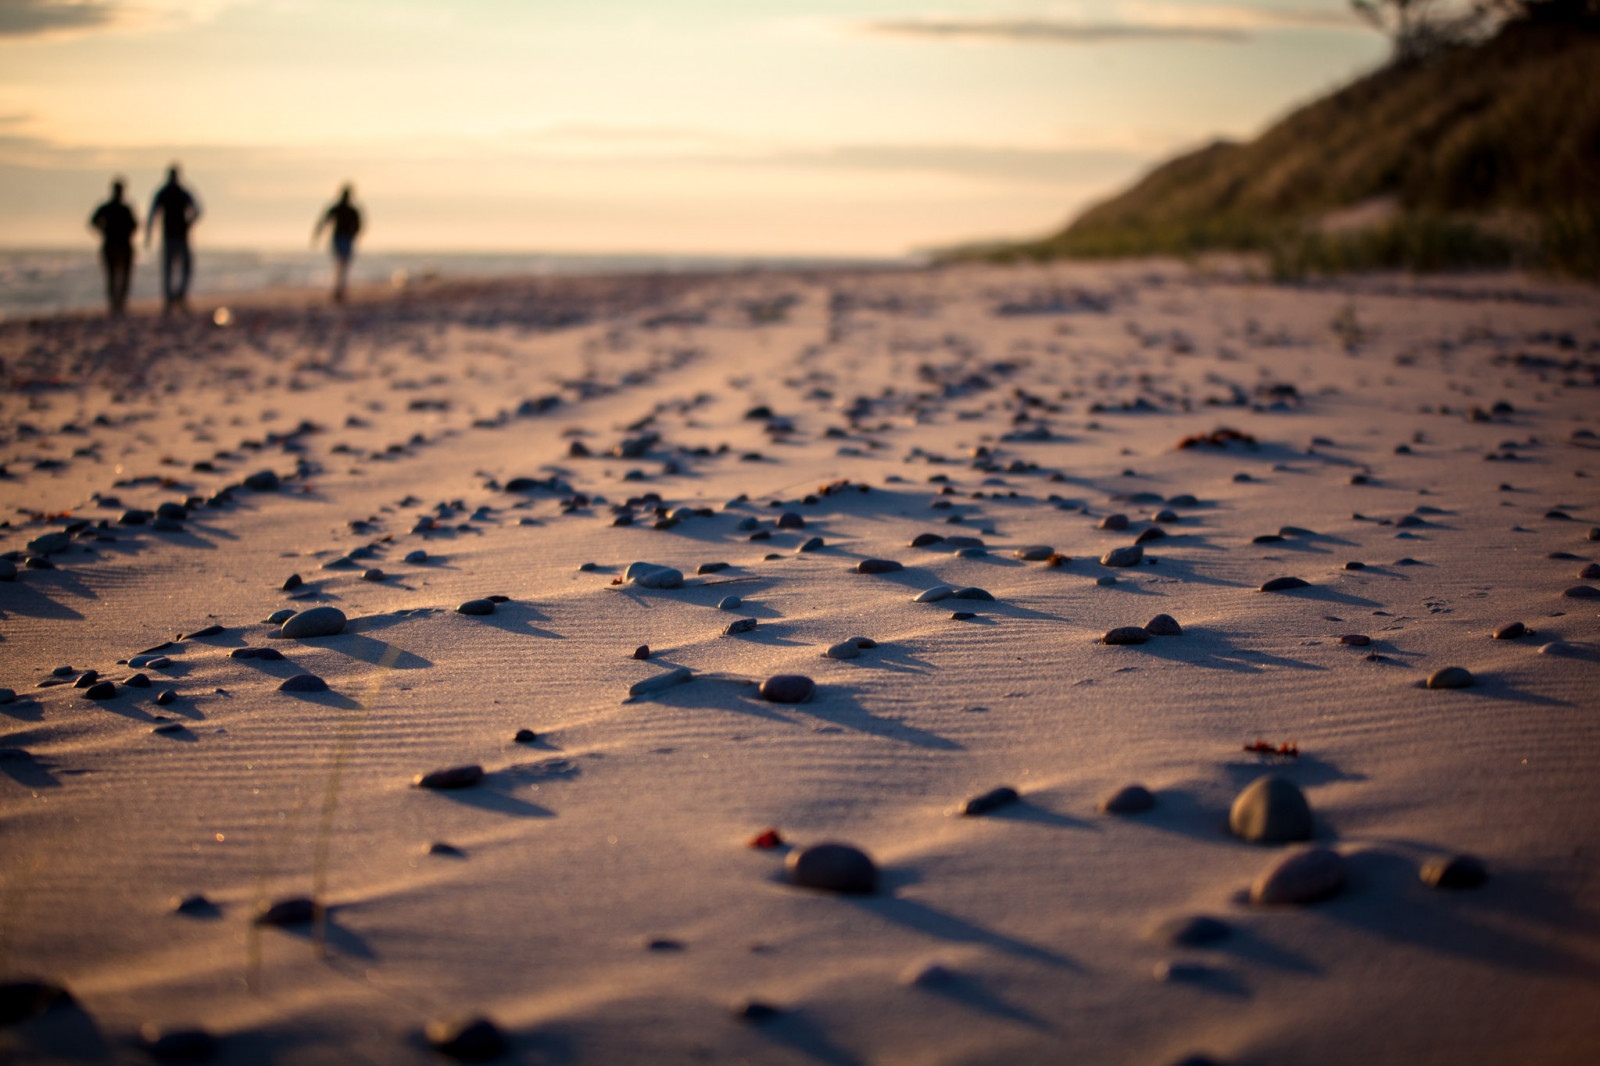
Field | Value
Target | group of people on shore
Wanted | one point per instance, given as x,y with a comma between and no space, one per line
178,211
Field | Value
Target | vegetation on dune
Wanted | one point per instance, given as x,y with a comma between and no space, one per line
1466,150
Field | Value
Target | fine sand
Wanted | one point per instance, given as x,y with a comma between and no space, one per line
595,894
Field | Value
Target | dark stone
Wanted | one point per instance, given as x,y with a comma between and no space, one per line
1454,871
1266,538
166,696
1190,931
811,545
372,575
1125,635
1356,640
525,736
1152,533
961,616
197,906
1282,584
1582,592
1271,810
262,481
204,631
292,582
1511,631
1304,876
972,593
87,678
478,607
303,683
452,777
755,1010
1163,625
177,1045
790,520
1129,799
1132,555
100,690
739,625
711,568
439,847
1450,677
787,688
292,910
1034,553
1113,522
923,540
878,566
833,867
466,1039
314,622
137,681
29,998
992,800
270,655
1355,565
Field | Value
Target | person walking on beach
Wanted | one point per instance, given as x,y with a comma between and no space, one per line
115,223
179,211
345,220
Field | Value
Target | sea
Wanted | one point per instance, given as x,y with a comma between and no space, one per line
39,282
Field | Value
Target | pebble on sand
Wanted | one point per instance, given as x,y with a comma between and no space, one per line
833,867
845,649
878,566
923,540
972,593
100,690
314,622
477,607
1454,871
1561,647
292,582
1190,931
525,736
1132,555
1511,631
1129,799
1303,876
188,1044
642,652
1582,592
739,625
1270,810
787,688
1126,635
1113,522
991,800
811,545
270,655
303,683
1034,553
1281,584
291,910
660,682
729,603
449,778
466,1039
1450,677
1163,625
933,595
1356,640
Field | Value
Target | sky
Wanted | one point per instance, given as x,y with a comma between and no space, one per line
742,127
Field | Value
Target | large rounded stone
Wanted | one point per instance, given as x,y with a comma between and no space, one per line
787,688
466,1039
1132,555
1450,677
1454,871
835,867
1304,876
313,622
1126,635
1129,799
1271,810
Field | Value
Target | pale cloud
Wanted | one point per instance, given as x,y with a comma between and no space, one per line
1131,22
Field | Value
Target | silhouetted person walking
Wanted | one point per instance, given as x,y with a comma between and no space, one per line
178,210
346,222
115,223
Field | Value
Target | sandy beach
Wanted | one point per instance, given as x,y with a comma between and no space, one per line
468,477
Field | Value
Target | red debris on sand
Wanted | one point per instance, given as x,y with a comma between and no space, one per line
1289,749
767,838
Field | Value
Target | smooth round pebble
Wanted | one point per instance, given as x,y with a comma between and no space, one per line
642,652
1303,876
1450,677
473,1039
303,683
1132,555
1454,871
1561,647
1282,584
415,557
1126,635
1190,931
933,595
1034,553
1270,810
845,649
834,867
1163,625
100,690
291,910
476,607
1129,799
729,603
313,622
1356,640
1582,592
1511,631
1113,522
525,736
991,800
878,566
787,688
292,582
177,1044
450,777
277,618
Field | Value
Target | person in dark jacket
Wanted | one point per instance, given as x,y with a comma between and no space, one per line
179,212
345,220
115,223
